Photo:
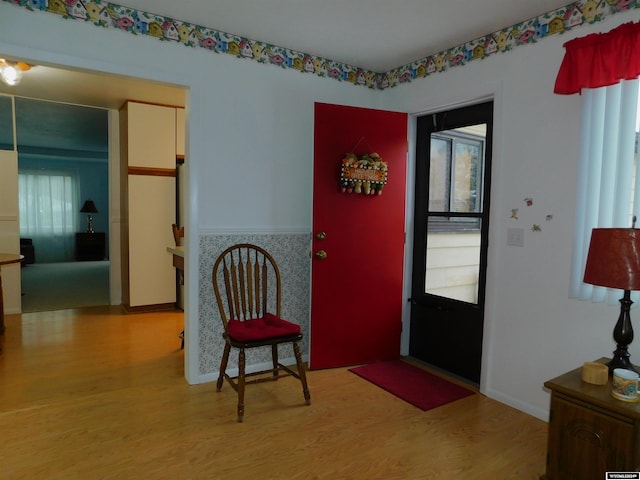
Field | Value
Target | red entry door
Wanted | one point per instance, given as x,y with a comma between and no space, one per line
356,292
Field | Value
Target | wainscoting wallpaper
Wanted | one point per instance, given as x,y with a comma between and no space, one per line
291,252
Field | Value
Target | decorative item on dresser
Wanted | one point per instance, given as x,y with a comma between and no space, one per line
590,431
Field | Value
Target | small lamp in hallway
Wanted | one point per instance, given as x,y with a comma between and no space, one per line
89,207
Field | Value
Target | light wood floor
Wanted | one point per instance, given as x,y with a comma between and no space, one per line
95,394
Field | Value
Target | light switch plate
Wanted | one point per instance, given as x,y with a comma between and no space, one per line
515,237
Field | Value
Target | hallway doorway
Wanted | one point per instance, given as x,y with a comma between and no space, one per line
63,164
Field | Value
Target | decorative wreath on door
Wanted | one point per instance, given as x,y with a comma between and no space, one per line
366,174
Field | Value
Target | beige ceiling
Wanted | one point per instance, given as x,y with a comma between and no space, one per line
87,88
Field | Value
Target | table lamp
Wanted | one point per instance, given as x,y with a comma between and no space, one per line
89,207
614,261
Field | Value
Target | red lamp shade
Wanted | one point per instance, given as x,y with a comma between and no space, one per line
614,258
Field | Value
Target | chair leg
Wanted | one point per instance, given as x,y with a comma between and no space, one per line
241,381
223,366
274,357
302,373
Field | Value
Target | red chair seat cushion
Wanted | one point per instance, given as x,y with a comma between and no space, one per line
269,326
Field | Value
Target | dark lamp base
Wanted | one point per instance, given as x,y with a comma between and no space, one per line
621,362
623,336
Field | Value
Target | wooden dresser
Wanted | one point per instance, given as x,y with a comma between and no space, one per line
590,432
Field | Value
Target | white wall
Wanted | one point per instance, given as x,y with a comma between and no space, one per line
258,138
249,144
533,330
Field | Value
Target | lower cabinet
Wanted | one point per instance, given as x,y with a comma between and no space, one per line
590,432
152,210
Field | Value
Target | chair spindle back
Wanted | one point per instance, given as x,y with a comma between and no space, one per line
241,282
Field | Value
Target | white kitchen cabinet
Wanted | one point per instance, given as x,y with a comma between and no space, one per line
148,156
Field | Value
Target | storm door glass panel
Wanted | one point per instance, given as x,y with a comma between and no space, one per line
453,265
440,174
466,177
455,209
6,123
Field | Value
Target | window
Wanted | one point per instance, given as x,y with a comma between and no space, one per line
455,181
607,184
48,206
602,68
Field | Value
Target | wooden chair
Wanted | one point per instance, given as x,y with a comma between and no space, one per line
178,235
246,283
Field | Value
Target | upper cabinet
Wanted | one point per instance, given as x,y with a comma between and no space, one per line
154,142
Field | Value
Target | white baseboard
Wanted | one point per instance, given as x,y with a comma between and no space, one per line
518,405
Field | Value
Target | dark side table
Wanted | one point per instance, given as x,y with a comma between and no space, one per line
90,246
590,432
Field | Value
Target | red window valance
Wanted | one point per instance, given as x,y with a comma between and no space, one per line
600,59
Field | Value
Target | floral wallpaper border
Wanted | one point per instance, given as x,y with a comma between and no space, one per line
110,15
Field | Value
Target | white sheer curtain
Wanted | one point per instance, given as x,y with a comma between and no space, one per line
608,186
49,212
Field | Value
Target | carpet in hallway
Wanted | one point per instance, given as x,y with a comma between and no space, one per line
59,286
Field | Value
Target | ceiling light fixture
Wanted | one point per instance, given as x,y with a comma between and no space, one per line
11,72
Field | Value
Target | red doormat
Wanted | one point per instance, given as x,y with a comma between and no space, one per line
412,384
